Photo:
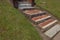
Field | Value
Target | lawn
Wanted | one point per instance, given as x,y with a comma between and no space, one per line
14,25
51,5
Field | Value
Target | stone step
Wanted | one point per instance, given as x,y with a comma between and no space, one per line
57,37
31,11
47,23
53,31
26,4
25,7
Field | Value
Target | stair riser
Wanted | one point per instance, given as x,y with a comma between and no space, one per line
38,14
40,21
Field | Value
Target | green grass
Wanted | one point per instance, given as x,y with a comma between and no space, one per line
14,25
52,5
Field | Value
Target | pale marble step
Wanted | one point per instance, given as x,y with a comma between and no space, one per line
26,4
26,7
52,32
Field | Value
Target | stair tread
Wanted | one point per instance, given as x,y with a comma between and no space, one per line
41,18
47,23
52,32
26,7
40,12
32,12
25,4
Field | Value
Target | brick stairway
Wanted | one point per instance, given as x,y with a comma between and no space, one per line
47,23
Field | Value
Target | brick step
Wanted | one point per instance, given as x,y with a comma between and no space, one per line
33,12
47,23
53,31
40,18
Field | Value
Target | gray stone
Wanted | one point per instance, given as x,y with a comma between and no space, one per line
51,32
